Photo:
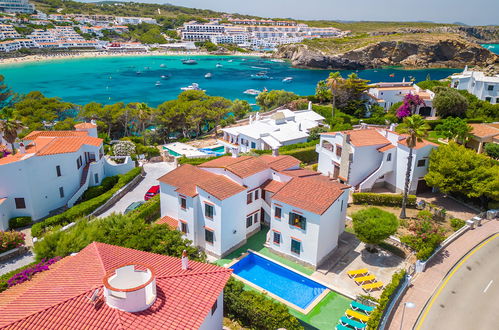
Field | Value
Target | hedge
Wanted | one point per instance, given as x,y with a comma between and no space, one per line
383,199
4,284
390,289
306,155
149,211
195,161
106,184
19,222
255,310
84,208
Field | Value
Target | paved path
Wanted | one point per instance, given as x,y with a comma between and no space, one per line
467,298
425,284
16,262
153,172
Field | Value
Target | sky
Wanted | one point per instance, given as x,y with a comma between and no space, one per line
471,12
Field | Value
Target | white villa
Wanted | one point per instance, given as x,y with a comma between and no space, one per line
484,87
282,128
52,169
387,94
368,158
222,202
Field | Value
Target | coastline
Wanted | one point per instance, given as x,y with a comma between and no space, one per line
82,55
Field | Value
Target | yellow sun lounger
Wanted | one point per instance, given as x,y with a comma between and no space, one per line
356,315
358,272
364,279
372,286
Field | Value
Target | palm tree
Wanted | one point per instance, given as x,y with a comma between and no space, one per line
9,129
416,128
333,82
144,113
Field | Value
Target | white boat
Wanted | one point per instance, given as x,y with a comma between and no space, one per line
208,75
158,83
162,66
189,61
260,76
277,60
219,65
193,87
287,80
230,61
252,92
138,72
165,76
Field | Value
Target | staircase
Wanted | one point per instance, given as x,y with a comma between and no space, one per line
83,186
84,175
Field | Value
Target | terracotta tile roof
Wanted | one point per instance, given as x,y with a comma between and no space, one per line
281,162
85,125
272,186
300,173
484,130
419,145
386,148
243,166
187,177
169,221
366,137
57,298
33,135
315,194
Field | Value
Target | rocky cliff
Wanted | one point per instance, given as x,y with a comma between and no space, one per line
408,52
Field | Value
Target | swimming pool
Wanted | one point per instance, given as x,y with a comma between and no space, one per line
282,282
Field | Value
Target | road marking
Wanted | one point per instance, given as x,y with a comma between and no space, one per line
456,268
488,286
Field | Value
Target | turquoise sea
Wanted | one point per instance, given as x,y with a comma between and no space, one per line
114,79
492,47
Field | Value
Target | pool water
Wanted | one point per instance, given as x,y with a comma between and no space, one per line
219,149
286,284
171,152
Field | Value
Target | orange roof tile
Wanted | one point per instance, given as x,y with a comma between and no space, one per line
85,125
484,130
300,173
243,166
169,221
419,145
187,177
281,162
386,148
272,186
315,194
366,137
33,135
57,298
66,144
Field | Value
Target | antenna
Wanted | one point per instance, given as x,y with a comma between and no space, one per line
94,296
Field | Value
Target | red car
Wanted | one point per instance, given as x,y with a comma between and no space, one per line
153,191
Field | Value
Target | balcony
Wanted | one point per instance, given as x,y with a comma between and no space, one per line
227,143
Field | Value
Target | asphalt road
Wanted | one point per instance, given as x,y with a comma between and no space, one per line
468,296
153,172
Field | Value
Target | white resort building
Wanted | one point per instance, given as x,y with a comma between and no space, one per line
486,88
282,128
368,158
51,170
387,94
221,203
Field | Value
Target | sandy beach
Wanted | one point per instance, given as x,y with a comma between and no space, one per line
75,55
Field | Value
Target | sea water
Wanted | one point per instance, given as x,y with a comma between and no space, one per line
494,48
109,80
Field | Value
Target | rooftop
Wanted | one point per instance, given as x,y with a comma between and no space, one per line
58,298
484,130
363,137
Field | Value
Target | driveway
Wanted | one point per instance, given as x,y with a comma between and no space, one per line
153,172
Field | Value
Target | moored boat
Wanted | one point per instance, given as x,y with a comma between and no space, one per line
252,92
189,62
158,83
287,80
208,75
260,76
218,65
193,87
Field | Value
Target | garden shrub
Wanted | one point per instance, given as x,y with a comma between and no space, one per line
4,284
306,155
314,167
149,211
255,310
84,208
373,225
10,240
106,184
457,224
386,296
195,161
383,199
19,222
425,238
27,274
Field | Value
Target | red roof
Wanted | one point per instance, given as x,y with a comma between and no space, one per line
484,130
33,135
363,137
419,145
187,177
272,186
169,221
280,163
58,298
243,166
300,173
85,125
315,194
386,148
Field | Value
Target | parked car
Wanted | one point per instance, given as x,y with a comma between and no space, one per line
133,206
153,191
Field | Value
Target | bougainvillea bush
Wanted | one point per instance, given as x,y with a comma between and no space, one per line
426,235
10,240
409,105
28,273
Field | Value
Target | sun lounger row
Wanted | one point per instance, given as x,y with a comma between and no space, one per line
366,280
355,318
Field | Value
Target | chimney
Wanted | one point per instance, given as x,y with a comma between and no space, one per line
310,105
22,149
185,260
275,152
234,152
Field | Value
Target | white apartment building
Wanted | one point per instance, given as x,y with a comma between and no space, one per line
368,158
134,20
39,35
16,6
484,87
387,94
52,169
284,127
13,45
7,31
220,203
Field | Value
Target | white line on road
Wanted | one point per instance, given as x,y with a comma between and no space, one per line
488,286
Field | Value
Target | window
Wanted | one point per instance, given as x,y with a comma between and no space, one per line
249,221
488,99
96,178
61,192
341,208
497,100
338,150
208,236
20,203
295,246
277,237
278,212
214,307
255,217
297,220
421,162
58,170
79,162
183,227
389,157
490,87
327,145
249,198
253,145
256,194
183,203
208,210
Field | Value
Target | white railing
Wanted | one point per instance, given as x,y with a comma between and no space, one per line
371,179
80,191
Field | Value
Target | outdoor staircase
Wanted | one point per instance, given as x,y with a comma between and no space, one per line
84,175
84,182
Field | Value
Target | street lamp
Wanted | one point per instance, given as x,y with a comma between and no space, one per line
407,304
